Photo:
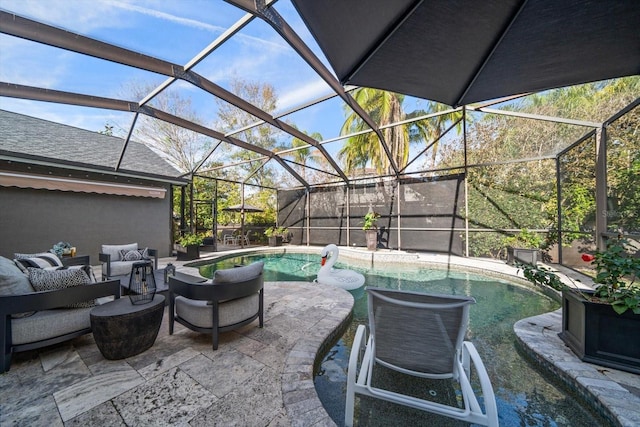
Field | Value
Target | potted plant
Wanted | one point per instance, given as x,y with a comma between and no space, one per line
602,325
276,235
188,246
370,227
62,249
523,247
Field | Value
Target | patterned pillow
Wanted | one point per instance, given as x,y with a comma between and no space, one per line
40,260
49,280
135,255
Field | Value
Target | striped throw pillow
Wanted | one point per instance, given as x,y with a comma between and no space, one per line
45,260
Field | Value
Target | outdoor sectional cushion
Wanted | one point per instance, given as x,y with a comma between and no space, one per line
12,280
49,323
198,313
119,268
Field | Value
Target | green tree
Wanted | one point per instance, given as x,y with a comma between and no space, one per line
510,190
108,130
231,119
434,128
384,108
305,155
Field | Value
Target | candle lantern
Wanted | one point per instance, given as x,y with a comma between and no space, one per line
142,283
169,270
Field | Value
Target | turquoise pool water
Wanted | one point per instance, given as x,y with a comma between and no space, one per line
525,397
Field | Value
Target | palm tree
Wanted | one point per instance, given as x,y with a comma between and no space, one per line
433,130
365,148
384,108
306,155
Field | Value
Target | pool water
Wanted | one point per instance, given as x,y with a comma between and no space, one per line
525,396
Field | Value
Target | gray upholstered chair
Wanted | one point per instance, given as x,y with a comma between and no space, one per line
117,260
233,298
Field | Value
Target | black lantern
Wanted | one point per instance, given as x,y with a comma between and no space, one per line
169,270
142,283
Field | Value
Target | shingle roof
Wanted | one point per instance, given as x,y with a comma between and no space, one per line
22,135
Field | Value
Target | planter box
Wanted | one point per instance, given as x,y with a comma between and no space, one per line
275,241
527,256
187,253
372,239
597,334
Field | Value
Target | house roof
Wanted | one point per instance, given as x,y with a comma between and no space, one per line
25,138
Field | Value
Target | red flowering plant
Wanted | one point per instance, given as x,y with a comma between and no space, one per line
617,269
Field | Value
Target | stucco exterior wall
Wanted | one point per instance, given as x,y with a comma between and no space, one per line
34,220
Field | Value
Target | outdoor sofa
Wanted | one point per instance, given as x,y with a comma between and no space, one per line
31,319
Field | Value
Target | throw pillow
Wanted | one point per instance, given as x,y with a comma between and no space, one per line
14,282
49,280
114,250
134,255
86,268
40,260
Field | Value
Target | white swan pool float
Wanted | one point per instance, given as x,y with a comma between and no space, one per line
345,279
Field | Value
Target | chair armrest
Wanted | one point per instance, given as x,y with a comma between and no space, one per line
46,300
154,254
78,260
105,260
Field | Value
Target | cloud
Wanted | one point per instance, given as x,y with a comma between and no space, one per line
303,93
82,16
165,16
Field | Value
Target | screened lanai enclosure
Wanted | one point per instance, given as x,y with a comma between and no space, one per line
460,123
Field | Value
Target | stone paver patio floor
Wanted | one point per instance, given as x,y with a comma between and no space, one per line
257,377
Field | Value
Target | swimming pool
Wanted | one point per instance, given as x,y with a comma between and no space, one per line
525,397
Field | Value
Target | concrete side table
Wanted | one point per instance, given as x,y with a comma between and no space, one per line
122,329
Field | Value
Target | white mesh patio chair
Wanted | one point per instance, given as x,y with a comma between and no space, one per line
229,239
245,238
421,335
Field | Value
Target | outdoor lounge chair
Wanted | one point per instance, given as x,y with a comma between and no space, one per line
117,260
233,299
421,335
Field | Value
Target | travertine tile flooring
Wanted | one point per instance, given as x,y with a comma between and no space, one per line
257,377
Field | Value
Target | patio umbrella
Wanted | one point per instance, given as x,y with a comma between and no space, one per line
459,52
242,208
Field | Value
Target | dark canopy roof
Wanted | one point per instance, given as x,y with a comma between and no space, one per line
463,51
